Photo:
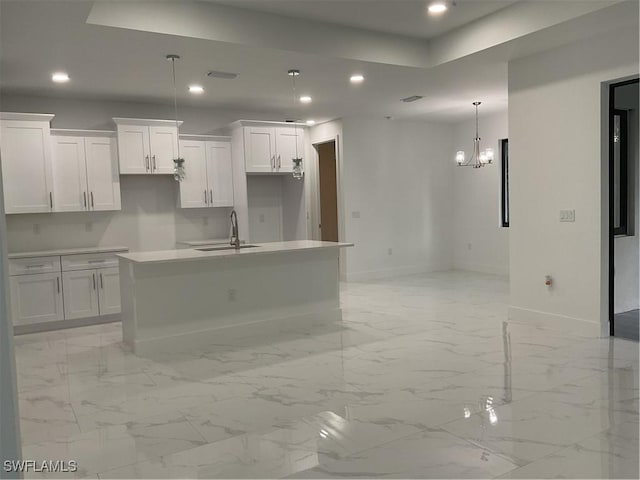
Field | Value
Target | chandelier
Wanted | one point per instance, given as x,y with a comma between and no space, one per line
478,158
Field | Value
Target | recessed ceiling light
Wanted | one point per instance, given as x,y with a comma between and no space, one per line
311,122
412,98
60,77
305,99
438,7
357,78
197,89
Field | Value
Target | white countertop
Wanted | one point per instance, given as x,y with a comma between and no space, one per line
68,251
190,254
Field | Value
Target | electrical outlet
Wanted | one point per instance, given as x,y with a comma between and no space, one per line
355,214
567,215
390,251
261,218
36,228
88,227
205,220
232,294
469,246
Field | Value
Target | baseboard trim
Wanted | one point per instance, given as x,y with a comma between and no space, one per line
554,321
63,324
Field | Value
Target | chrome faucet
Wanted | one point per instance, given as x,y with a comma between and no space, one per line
235,236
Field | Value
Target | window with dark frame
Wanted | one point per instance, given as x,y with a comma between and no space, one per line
504,175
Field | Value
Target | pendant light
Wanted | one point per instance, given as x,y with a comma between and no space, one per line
298,172
178,163
478,158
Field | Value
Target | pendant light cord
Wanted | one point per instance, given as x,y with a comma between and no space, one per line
295,121
175,100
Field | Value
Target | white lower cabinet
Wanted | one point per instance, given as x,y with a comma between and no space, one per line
109,290
74,286
36,298
80,294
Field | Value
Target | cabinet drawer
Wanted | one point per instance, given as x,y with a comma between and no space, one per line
31,265
88,261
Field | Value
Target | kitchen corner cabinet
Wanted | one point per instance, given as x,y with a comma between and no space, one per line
85,171
146,146
208,178
269,147
26,162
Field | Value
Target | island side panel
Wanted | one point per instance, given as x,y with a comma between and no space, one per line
127,301
182,301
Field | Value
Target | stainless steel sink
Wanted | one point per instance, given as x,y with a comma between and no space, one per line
226,247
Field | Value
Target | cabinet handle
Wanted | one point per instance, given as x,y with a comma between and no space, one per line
84,194
155,167
211,196
94,281
102,260
58,283
51,199
92,205
273,162
40,265
101,281
205,198
279,162
146,159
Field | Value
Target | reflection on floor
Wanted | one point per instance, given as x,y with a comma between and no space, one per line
426,378
627,325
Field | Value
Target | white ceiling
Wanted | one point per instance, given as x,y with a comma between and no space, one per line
400,17
40,36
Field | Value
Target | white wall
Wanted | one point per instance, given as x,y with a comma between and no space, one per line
556,160
397,194
149,219
479,242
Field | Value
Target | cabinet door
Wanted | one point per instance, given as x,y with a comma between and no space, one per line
26,166
193,189
103,178
80,294
163,142
133,149
109,290
219,174
36,298
286,140
70,192
259,149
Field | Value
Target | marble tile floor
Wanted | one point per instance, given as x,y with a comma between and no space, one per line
425,378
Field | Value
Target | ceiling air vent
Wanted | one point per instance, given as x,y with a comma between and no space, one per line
412,98
225,75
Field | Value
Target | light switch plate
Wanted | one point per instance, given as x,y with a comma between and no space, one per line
355,214
567,215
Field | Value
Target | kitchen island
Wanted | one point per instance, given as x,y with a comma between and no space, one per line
190,298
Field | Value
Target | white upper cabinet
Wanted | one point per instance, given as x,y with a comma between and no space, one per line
219,174
208,178
272,147
163,145
26,162
69,173
194,190
85,171
146,146
103,178
260,149
286,140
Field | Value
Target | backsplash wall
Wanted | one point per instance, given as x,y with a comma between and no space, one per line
149,220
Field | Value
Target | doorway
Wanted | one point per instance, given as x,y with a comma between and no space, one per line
328,186
624,211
